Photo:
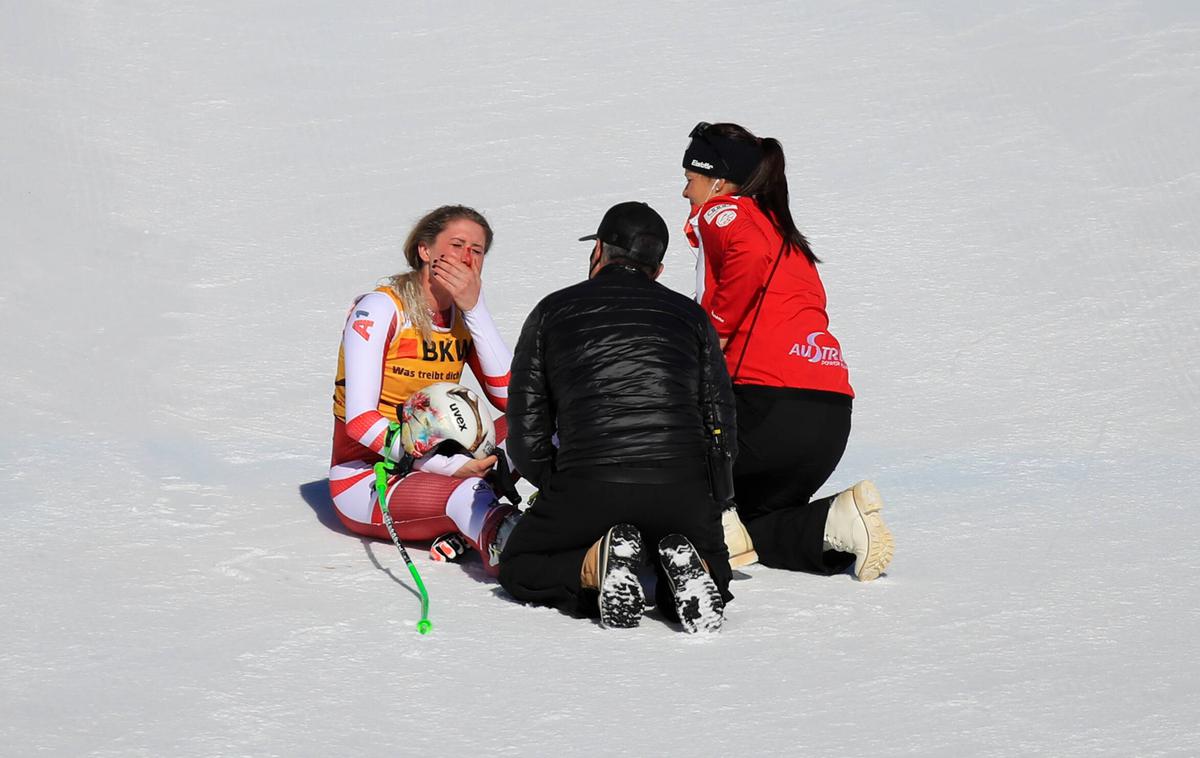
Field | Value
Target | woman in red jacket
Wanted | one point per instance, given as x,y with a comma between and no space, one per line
757,280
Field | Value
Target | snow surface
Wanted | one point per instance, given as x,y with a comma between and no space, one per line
1005,195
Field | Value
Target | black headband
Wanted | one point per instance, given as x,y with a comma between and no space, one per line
713,155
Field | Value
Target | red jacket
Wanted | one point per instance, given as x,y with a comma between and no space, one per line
790,345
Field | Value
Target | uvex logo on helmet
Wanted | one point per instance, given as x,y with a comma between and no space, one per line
465,395
458,417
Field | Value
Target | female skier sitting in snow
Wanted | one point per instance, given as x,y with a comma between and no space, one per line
757,279
418,329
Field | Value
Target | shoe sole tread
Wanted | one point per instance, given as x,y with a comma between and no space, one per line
622,601
697,599
880,543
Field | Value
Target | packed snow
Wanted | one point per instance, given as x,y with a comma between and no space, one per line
1005,196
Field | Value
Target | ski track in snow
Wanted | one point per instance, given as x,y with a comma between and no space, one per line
1004,198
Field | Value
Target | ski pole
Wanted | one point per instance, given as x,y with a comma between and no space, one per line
381,474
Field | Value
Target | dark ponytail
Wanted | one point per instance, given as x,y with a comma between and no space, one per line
767,184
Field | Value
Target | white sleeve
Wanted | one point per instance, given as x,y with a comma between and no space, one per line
494,356
445,465
364,342
490,358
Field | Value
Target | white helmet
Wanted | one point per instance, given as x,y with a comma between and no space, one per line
446,412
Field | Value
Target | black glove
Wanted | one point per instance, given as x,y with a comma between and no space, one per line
502,480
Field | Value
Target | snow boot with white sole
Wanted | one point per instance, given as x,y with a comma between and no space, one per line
737,540
855,526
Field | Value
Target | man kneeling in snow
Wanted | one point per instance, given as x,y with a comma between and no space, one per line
630,376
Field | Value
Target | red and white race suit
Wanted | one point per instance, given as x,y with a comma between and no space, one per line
383,360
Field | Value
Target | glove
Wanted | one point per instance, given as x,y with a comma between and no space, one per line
448,548
503,480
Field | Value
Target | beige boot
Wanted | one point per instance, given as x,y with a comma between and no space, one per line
855,526
737,539
589,572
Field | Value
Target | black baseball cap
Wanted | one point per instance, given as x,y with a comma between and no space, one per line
636,227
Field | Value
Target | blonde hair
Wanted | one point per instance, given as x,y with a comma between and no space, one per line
407,285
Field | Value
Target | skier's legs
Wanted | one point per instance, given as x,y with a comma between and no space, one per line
469,505
417,503
423,506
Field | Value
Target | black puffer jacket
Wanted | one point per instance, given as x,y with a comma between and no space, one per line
624,370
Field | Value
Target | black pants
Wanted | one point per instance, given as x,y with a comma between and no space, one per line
545,551
789,443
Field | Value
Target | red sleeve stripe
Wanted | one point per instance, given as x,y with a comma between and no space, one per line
369,429
338,486
497,381
378,443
